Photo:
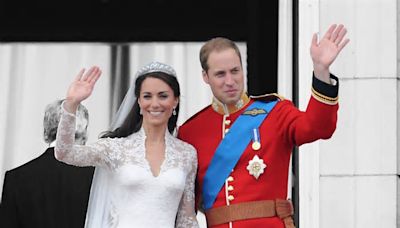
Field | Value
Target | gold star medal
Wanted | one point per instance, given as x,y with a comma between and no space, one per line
256,145
256,167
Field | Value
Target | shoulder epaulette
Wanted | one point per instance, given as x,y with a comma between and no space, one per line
268,97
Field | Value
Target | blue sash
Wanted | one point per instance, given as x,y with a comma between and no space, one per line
231,148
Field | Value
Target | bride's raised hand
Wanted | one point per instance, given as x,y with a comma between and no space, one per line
82,87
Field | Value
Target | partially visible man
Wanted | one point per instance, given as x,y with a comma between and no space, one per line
244,143
44,192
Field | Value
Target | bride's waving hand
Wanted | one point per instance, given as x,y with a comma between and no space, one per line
81,88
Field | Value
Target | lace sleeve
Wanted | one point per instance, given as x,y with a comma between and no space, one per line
78,155
186,217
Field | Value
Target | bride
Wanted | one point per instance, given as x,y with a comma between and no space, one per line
144,175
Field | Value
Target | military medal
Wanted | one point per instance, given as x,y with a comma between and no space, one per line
256,145
256,140
256,167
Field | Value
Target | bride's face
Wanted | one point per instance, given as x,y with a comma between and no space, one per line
156,101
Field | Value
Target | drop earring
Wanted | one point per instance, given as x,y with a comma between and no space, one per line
174,112
140,111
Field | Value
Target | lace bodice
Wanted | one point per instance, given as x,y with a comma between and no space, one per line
137,197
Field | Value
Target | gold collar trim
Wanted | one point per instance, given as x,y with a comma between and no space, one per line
224,109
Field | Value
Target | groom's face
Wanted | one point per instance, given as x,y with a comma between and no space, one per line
225,76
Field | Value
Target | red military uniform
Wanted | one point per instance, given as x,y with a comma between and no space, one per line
284,127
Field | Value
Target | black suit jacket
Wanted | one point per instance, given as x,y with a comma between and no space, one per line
45,193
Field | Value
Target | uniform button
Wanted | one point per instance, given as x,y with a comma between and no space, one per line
230,188
230,197
227,122
226,130
230,178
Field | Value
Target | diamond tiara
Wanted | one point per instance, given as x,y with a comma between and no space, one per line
156,67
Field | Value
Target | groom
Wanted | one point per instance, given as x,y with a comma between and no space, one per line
244,143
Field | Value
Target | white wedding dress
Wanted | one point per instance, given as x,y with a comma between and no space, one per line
135,197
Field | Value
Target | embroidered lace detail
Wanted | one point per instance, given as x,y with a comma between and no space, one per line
113,217
134,186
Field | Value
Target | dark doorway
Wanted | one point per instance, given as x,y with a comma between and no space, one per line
120,21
